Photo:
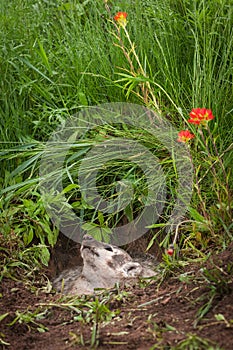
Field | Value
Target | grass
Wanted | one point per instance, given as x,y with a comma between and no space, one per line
58,58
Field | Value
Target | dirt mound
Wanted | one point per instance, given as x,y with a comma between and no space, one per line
192,307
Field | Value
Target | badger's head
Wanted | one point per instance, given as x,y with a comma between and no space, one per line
107,261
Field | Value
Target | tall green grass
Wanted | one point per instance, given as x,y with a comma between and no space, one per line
48,47
60,57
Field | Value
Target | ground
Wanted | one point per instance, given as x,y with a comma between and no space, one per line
191,309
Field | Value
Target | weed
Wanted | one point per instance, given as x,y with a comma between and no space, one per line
219,284
31,319
95,312
193,342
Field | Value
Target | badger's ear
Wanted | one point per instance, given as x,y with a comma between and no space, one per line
132,269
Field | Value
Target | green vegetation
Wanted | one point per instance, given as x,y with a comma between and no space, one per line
58,58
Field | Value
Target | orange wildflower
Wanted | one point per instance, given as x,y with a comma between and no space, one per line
120,18
185,136
200,116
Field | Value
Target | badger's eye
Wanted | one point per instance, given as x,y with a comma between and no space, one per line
109,249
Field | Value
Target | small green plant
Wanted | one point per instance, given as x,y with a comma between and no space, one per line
171,266
31,319
157,329
193,342
218,284
27,231
94,312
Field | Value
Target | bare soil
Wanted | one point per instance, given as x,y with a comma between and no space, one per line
144,317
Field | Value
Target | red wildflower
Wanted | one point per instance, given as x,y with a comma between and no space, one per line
200,116
170,251
120,18
185,136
